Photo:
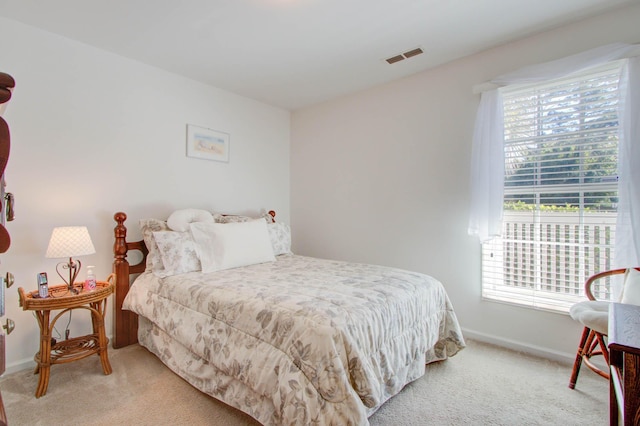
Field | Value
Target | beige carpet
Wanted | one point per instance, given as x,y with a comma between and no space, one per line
482,385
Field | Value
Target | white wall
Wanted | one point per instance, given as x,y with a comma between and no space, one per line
382,176
93,133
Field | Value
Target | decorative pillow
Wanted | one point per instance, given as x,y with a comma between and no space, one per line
148,227
231,218
280,235
230,245
177,251
631,287
180,219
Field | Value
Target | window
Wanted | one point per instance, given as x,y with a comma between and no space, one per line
560,198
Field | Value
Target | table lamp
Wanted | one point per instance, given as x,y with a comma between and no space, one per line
69,241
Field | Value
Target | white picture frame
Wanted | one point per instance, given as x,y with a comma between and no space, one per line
207,144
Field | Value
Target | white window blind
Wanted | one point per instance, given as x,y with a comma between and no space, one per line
561,156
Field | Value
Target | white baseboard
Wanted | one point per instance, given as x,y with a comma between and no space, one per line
20,365
561,357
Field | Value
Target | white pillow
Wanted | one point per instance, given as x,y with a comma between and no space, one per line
631,288
178,253
180,219
280,235
230,245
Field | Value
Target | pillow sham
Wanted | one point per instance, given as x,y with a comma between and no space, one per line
631,287
232,218
230,245
280,236
178,253
148,227
221,218
179,220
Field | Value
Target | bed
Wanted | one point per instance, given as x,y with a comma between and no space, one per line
292,340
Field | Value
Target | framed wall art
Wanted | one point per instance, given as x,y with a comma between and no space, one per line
207,144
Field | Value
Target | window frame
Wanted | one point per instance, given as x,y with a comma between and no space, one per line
535,297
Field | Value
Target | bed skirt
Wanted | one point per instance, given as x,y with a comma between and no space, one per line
233,392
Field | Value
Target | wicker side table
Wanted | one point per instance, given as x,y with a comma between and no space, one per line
75,348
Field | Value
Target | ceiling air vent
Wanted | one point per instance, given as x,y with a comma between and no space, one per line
413,52
395,59
405,55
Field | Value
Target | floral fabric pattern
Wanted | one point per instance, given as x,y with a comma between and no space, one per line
178,253
148,227
223,218
300,340
280,235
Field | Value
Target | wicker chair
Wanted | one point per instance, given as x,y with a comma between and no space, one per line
594,315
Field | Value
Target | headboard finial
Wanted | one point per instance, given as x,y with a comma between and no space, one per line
120,217
120,232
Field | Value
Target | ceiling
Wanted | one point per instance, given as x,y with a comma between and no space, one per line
295,53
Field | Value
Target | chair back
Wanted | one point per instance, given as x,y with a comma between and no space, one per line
588,290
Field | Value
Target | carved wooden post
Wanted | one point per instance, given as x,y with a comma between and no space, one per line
126,322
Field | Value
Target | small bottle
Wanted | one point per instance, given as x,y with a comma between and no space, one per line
90,282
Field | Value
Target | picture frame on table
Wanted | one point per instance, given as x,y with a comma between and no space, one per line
207,144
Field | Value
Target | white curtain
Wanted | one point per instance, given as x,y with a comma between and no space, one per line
487,176
487,168
627,249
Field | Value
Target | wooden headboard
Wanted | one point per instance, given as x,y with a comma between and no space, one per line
126,322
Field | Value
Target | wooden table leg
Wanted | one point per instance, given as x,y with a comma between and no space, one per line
97,317
44,358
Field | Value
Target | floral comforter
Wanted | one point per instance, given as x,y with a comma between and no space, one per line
300,340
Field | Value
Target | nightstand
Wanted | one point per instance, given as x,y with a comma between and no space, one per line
76,348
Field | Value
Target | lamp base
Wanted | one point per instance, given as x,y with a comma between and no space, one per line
74,268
